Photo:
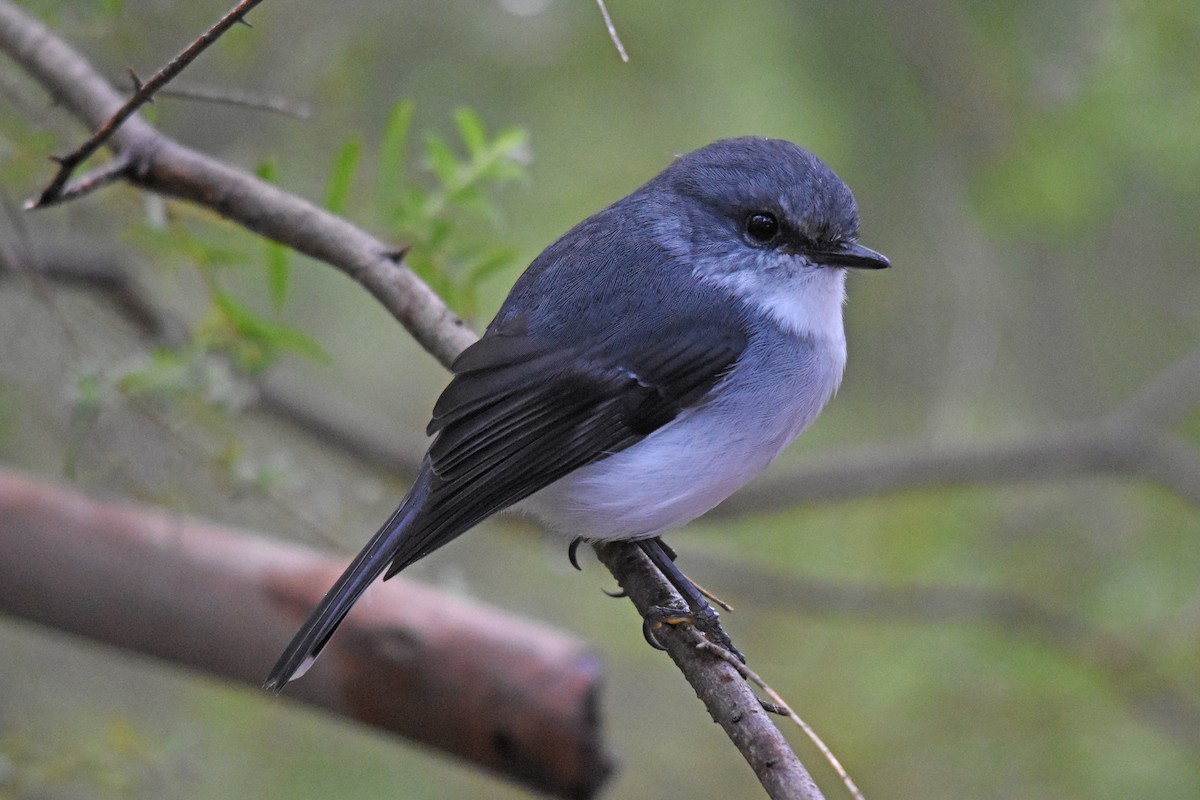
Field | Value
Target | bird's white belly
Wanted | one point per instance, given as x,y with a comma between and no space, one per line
694,462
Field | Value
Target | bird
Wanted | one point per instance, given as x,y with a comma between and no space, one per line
644,367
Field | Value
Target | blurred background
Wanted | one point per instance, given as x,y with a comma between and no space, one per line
1031,168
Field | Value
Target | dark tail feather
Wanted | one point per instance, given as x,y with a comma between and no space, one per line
308,642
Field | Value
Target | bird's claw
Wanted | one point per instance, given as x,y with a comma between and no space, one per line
706,620
573,553
648,632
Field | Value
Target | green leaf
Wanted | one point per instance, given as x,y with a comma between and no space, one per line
389,182
278,273
259,342
512,140
413,208
278,270
267,170
344,168
166,374
441,159
491,264
513,144
470,128
449,248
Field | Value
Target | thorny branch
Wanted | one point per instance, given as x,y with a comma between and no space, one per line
57,190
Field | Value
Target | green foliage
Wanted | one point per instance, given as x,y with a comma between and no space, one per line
204,378
251,342
231,339
439,223
228,326
342,177
278,264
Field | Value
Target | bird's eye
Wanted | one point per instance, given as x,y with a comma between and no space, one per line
762,227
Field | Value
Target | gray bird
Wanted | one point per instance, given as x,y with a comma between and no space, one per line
644,367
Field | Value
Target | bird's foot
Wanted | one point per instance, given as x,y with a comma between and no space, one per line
705,619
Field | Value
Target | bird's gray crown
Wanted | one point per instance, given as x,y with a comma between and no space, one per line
731,178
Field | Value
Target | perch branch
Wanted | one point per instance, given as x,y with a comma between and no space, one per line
728,697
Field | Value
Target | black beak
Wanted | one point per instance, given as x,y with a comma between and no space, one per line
852,255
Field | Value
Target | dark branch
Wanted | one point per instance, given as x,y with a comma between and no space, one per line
55,191
113,171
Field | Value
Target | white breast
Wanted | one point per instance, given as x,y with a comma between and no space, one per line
705,454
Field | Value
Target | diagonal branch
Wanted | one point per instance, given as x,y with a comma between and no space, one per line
730,701
164,166
612,31
54,192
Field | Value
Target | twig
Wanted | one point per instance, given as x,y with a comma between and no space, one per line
1165,399
145,91
730,701
365,445
100,177
612,31
781,706
239,97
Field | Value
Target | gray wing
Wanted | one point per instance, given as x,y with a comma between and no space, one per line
519,415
